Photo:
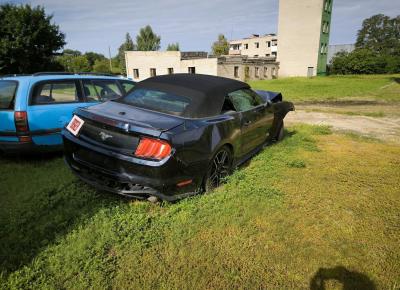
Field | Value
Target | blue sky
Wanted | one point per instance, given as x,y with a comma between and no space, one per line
94,25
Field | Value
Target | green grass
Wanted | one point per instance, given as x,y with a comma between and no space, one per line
302,209
377,88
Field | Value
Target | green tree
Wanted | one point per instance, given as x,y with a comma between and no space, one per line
380,33
28,39
73,63
147,40
173,47
71,52
92,57
128,45
101,66
221,46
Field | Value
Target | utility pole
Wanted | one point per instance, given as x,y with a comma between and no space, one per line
109,54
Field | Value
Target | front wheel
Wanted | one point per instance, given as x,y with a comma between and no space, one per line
219,168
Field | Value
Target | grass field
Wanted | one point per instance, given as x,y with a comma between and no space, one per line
316,207
361,88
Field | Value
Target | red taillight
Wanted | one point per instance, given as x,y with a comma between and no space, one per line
21,121
153,148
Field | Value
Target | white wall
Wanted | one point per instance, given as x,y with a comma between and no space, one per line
162,60
299,33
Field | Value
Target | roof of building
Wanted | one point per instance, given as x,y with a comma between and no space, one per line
207,93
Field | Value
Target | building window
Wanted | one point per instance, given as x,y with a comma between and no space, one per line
257,44
267,55
246,46
170,70
236,71
265,72
273,73
191,69
153,72
256,72
135,73
273,53
247,72
256,55
268,43
324,48
327,5
274,42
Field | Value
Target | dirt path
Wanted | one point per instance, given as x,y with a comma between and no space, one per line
382,128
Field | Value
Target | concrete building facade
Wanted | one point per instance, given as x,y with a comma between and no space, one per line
303,31
255,46
141,65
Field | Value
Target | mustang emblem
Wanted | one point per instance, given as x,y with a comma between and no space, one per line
104,136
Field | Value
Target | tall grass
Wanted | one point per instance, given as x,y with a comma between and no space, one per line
301,211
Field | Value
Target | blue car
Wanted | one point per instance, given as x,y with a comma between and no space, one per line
34,108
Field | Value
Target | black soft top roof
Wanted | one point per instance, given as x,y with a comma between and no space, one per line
207,93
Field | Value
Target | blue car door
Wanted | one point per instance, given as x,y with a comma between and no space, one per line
50,108
8,90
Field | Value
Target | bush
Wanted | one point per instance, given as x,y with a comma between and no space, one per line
364,61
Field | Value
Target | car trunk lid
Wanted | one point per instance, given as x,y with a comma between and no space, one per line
120,127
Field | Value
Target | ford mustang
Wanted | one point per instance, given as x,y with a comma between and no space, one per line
172,136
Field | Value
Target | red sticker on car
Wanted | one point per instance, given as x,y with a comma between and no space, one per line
75,125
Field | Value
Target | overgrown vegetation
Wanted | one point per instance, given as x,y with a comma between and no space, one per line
377,49
28,40
352,89
299,210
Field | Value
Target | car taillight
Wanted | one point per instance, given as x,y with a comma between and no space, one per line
21,121
153,148
21,125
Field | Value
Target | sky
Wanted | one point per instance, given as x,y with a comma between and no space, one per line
96,25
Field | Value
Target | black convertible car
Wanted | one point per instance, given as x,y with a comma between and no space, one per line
173,136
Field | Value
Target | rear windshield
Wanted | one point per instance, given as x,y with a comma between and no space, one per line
7,93
157,101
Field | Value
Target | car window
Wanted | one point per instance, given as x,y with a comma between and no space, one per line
127,86
244,99
107,90
90,91
157,101
7,93
55,92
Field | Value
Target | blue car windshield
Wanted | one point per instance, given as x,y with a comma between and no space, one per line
7,93
156,101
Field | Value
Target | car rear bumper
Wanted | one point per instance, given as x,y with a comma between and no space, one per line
16,147
106,171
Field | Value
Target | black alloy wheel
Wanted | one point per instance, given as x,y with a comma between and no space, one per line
219,169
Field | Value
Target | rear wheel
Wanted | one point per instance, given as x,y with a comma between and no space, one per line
219,168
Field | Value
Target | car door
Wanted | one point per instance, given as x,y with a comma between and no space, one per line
8,90
50,108
255,121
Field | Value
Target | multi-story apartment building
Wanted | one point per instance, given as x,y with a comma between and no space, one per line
255,46
303,31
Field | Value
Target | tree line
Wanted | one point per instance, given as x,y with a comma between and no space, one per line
30,42
377,49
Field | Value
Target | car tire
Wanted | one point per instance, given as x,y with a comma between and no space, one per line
219,168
